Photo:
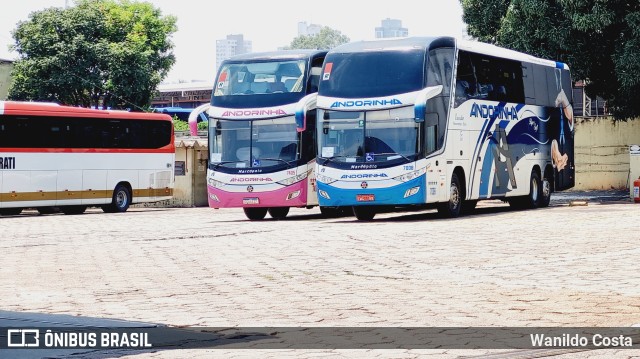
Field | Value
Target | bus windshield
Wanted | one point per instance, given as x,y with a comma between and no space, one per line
260,83
254,143
375,136
369,74
260,78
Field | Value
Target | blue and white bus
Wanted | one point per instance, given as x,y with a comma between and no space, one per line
417,121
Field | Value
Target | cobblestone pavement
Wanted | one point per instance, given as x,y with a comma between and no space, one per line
560,266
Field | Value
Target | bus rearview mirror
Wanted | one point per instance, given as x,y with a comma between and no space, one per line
423,96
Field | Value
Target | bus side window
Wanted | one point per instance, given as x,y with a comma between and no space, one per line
465,79
540,84
314,74
529,88
489,78
431,133
17,133
439,72
308,145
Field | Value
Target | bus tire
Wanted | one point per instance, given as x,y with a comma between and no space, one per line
121,200
255,214
452,208
10,211
532,200
73,209
278,212
535,191
364,213
546,190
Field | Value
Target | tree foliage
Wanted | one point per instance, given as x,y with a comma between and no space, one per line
115,50
326,39
599,39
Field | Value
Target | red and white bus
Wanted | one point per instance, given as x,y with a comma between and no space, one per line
71,158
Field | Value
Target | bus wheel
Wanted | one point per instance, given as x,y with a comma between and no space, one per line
535,191
278,212
255,214
545,192
121,200
364,213
46,210
453,207
10,211
533,199
73,209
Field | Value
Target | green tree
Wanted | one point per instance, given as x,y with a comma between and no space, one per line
116,50
326,39
599,39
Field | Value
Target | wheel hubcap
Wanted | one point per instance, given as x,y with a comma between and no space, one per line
455,196
546,188
121,199
534,190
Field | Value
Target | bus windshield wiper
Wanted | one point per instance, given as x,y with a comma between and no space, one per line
215,167
333,158
393,154
277,159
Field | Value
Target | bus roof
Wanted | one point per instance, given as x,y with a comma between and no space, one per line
393,44
399,44
496,51
52,109
274,55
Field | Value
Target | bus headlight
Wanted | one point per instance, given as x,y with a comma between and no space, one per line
411,175
324,194
215,184
325,179
293,195
291,180
411,191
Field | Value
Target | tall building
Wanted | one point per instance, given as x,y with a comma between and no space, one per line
305,29
231,46
391,28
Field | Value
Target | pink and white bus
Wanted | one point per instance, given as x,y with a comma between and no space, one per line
69,158
259,159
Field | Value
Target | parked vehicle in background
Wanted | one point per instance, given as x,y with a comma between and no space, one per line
70,158
180,113
417,121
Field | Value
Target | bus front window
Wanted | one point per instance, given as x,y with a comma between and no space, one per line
254,143
264,77
375,136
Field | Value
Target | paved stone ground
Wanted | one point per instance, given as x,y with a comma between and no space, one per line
560,266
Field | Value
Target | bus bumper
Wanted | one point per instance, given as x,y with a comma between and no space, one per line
294,195
407,193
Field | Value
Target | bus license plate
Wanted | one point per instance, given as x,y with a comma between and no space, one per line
253,200
365,197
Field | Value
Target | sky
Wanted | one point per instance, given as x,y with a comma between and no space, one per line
268,24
